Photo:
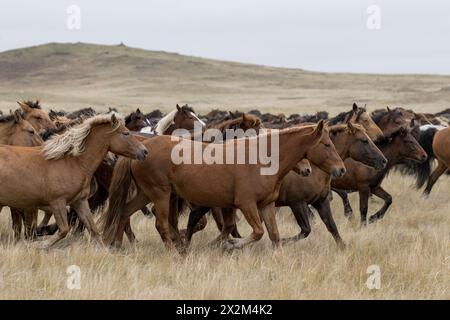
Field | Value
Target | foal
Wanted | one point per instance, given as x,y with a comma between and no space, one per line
60,173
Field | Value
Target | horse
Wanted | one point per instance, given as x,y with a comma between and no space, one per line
60,172
359,116
183,117
16,131
240,186
38,118
397,147
297,192
440,143
136,120
390,120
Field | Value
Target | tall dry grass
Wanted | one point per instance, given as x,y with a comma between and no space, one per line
411,246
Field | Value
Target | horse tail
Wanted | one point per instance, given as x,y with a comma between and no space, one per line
118,194
424,169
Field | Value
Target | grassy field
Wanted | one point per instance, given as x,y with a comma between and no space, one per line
411,245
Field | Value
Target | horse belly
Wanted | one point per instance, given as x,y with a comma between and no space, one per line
203,187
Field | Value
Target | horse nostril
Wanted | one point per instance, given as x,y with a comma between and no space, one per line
384,161
342,171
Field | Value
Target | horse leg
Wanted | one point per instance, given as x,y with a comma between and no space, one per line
268,215
324,210
162,211
229,225
196,214
440,169
30,222
173,219
16,217
45,221
232,211
83,211
364,204
348,211
251,214
381,193
139,201
59,211
300,210
218,217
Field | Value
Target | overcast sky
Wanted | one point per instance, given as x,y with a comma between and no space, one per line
319,35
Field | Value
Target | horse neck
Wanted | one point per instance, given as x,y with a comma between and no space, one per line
293,146
96,147
6,130
341,148
390,153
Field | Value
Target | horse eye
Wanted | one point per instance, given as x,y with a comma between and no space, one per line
126,133
365,141
31,131
327,145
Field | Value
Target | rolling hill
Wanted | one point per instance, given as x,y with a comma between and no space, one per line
74,75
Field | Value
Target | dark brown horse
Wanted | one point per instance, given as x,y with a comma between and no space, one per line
214,185
183,117
397,147
136,120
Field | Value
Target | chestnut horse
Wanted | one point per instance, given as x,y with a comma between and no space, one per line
183,117
440,150
33,113
16,131
397,148
359,116
240,186
297,192
60,173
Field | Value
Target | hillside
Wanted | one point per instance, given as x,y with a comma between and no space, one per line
76,75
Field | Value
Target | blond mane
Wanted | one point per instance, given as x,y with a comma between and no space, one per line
165,122
71,142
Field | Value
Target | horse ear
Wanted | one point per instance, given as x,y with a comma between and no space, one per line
351,127
25,107
412,124
355,107
138,110
178,107
244,118
114,121
18,117
388,109
319,128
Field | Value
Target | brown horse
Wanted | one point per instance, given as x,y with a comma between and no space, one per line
16,131
183,117
359,116
136,120
60,173
214,185
397,148
34,114
297,192
441,151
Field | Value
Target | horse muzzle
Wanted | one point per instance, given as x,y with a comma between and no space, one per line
142,154
338,172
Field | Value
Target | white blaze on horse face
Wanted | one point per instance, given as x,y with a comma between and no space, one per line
198,119
148,122
428,126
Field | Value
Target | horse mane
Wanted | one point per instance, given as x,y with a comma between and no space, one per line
7,118
165,122
71,142
34,105
339,118
337,128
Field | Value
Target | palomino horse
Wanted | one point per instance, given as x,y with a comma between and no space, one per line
60,173
16,131
397,148
240,186
33,113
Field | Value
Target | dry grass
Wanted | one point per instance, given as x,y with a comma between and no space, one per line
411,246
